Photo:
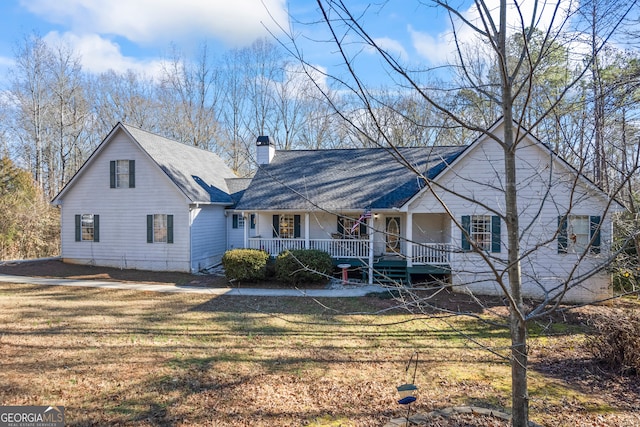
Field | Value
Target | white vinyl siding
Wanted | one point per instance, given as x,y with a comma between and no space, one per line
208,236
123,231
479,174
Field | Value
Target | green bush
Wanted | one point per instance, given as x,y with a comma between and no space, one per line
303,266
617,342
245,264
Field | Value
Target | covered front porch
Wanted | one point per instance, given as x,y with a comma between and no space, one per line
381,244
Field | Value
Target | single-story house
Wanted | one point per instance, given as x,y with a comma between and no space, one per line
394,215
405,213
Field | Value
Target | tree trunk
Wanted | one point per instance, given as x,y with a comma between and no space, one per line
518,323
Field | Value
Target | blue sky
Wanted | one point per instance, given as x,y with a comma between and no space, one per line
137,34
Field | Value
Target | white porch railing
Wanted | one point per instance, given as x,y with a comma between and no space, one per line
431,253
421,253
342,248
275,246
337,248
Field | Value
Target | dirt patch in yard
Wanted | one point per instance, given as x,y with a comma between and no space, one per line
55,268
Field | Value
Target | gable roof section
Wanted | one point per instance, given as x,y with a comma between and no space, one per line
199,174
343,179
523,132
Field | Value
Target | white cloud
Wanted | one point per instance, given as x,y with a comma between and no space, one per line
393,47
99,55
157,22
442,48
436,50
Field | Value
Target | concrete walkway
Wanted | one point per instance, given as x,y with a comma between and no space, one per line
344,292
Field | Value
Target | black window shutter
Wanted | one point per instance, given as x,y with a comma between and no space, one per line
562,235
96,228
594,222
78,228
169,228
234,221
340,225
132,174
112,174
253,221
495,234
276,225
296,226
149,228
466,229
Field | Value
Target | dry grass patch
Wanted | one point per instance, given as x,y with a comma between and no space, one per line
137,358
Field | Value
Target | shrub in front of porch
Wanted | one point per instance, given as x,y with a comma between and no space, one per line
245,264
303,266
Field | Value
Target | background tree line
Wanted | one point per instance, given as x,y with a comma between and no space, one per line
55,114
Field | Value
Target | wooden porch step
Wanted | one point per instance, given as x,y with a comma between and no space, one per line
390,274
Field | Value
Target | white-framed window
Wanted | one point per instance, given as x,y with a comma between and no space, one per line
483,231
87,228
350,227
237,221
286,226
579,233
122,173
480,232
159,228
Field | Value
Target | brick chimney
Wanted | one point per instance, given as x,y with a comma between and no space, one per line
265,150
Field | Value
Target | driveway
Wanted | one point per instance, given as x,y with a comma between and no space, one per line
343,292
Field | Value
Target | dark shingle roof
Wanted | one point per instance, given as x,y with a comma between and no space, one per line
349,179
237,186
201,175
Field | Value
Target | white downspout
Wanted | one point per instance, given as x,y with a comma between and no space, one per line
245,231
409,240
371,239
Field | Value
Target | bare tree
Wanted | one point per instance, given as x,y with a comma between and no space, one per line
191,93
125,97
518,69
68,146
31,93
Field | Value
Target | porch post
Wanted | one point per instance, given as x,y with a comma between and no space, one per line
245,231
408,242
371,231
306,230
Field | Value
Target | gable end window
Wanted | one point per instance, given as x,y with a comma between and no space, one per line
578,233
87,228
159,228
483,230
122,174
